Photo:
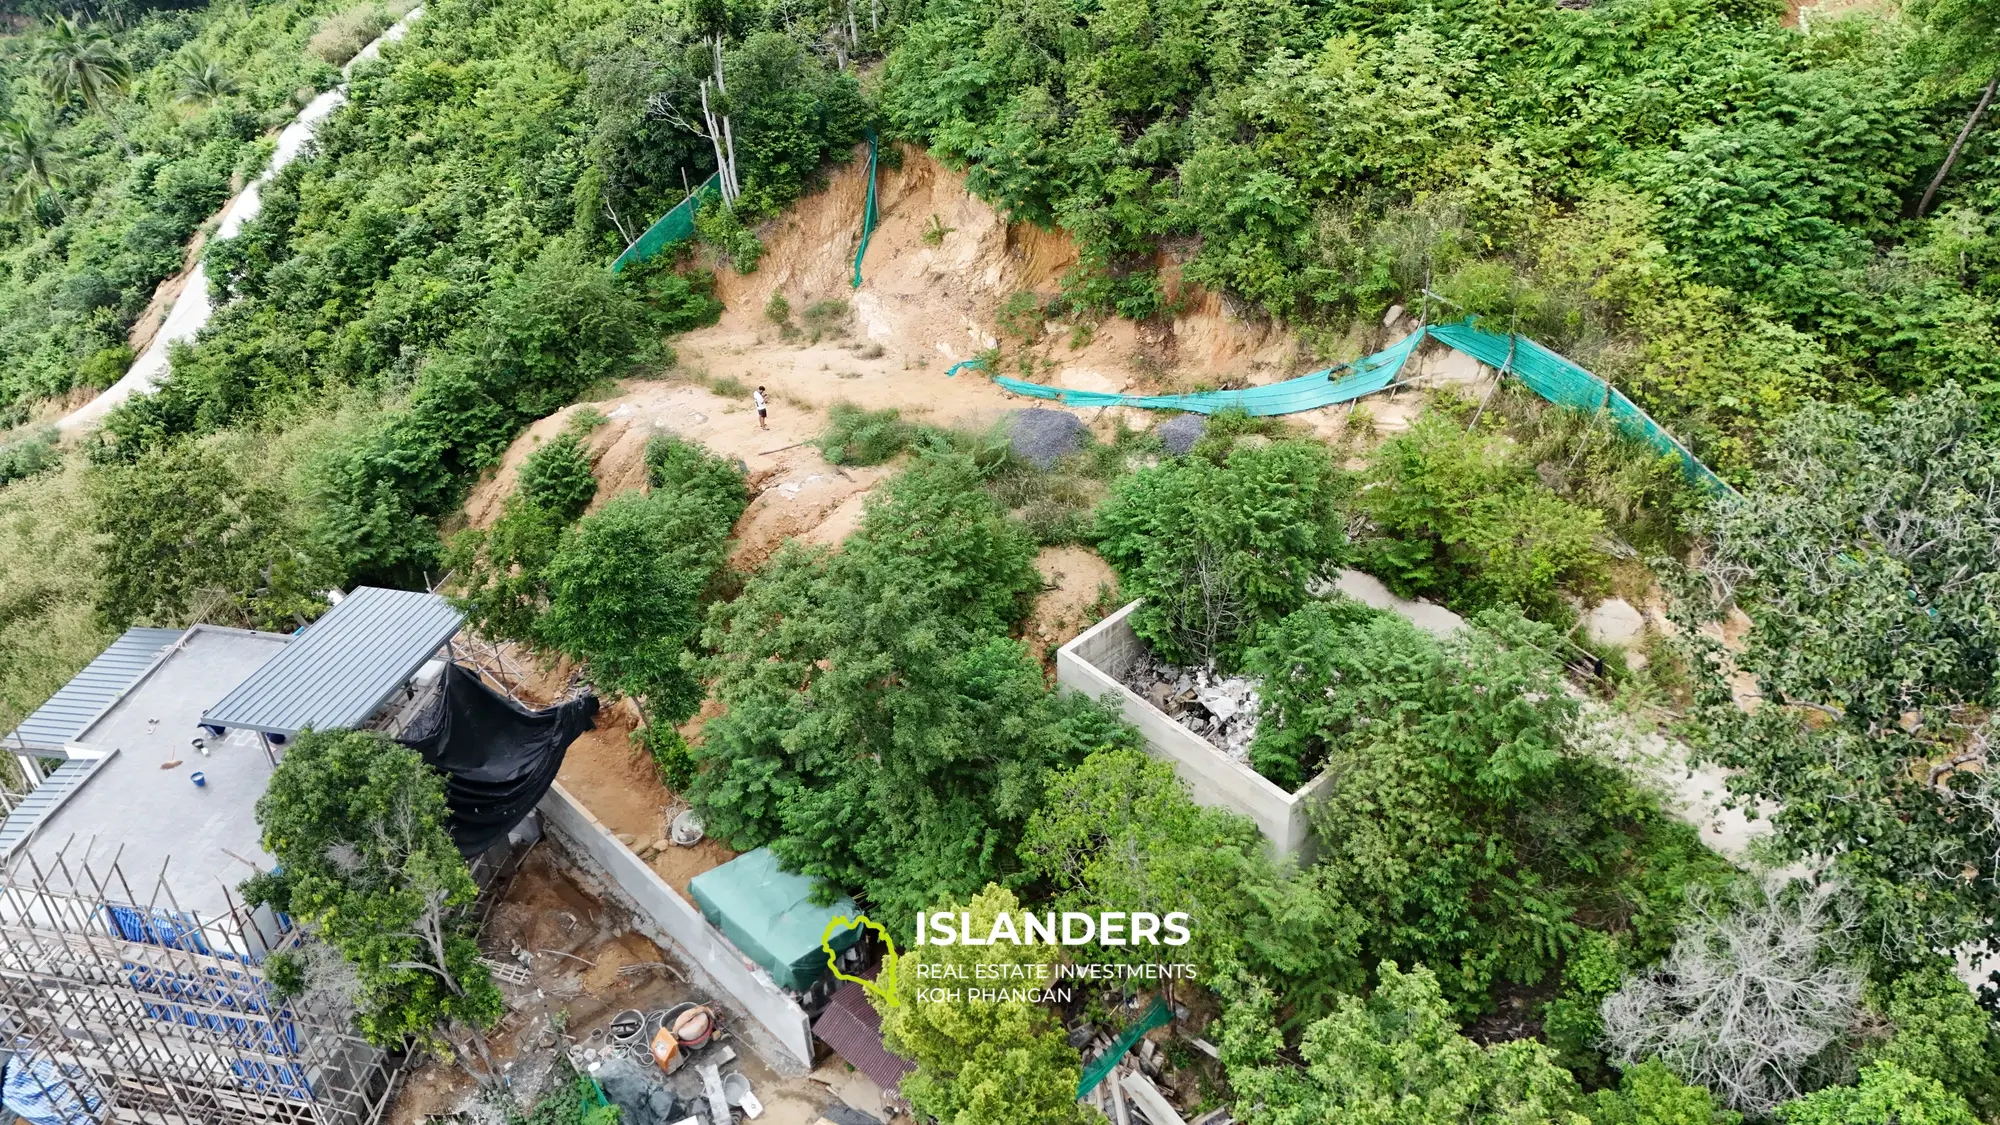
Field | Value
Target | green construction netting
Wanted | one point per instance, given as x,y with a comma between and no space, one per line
1156,1016
868,213
1539,369
769,914
1321,388
1565,384
674,226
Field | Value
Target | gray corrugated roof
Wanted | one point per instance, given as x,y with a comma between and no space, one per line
97,687
44,799
339,671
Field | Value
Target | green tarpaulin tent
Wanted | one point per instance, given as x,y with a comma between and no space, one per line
769,914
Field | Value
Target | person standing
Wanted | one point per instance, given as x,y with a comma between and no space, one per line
762,409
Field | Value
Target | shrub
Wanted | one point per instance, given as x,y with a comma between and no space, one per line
671,757
1000,1061
881,730
1395,1056
1467,817
342,35
556,477
29,455
1219,551
674,464
625,591
857,436
1884,1094
1457,517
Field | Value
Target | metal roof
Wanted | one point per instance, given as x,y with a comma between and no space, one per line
57,722
853,1028
25,817
340,671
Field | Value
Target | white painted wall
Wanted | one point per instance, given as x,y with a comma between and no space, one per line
1093,663
748,984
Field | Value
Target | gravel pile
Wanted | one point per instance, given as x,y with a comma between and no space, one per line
1043,437
1222,710
1180,433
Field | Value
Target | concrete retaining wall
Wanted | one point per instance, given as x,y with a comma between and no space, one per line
748,984
1094,663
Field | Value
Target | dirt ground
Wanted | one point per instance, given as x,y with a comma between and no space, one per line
1078,591
585,963
924,305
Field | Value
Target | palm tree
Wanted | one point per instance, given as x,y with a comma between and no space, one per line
33,166
203,80
79,60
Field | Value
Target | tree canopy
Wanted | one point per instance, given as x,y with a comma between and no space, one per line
881,731
1868,561
357,825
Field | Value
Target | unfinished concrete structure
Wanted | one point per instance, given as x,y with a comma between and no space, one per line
132,984
1095,663
123,1005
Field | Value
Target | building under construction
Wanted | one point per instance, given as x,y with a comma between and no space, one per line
122,1005
132,977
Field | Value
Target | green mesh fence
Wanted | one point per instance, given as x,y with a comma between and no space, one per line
1156,1016
676,225
868,214
1565,384
1321,388
1539,369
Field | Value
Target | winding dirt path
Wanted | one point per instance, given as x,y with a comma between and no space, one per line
192,308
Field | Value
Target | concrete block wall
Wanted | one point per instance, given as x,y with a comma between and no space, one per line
1094,664
746,983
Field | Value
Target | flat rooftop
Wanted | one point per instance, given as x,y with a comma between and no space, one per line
146,816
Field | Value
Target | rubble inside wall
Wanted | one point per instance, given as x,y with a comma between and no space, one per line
1221,710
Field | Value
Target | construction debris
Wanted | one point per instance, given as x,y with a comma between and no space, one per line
1221,710
1147,1098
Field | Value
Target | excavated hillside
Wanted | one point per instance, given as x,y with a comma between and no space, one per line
926,302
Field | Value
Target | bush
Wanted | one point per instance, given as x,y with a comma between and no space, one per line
556,477
625,589
880,729
1458,518
25,457
857,436
1381,1058
184,537
674,464
1468,819
342,35
671,756
1885,1094
1220,551
1939,1031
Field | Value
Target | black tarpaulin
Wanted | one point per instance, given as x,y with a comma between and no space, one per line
498,757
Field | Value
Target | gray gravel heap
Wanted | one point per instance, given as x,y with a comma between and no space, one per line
1180,432
1043,437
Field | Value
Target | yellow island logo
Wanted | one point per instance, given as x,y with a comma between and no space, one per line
884,984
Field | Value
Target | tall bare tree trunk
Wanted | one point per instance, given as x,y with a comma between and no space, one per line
1951,157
